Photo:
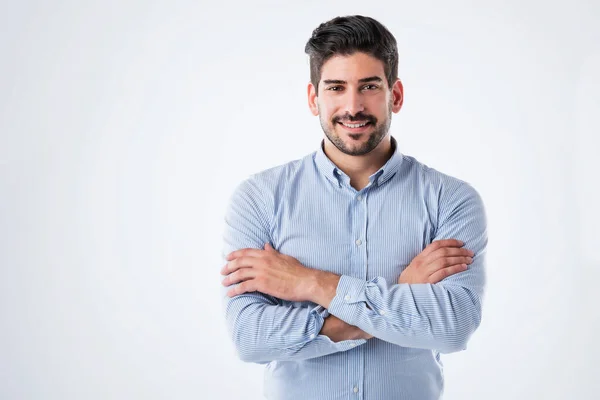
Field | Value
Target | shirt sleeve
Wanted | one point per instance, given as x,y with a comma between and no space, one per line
261,327
439,316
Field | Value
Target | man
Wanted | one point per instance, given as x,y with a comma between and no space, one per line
350,270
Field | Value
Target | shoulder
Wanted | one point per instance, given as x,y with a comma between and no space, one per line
272,180
267,185
446,184
274,177
447,191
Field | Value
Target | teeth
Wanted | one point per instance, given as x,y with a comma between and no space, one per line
354,125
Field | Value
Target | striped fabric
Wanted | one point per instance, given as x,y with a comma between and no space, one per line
307,209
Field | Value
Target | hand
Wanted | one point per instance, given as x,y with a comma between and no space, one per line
338,330
269,272
437,261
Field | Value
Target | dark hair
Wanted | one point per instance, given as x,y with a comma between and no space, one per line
347,35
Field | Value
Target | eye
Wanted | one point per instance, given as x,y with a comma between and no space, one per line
334,88
370,87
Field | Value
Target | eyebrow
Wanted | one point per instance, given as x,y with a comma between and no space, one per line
363,80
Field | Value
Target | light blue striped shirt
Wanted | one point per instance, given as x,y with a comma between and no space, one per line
307,209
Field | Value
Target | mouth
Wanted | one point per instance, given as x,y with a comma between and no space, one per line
356,127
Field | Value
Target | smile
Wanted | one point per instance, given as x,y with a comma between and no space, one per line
359,125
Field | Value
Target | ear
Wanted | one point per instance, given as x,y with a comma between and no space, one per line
397,96
312,99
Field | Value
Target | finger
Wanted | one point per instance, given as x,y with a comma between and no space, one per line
268,247
249,252
447,252
244,287
242,262
438,244
445,262
446,272
240,275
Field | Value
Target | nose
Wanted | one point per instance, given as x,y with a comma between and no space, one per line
354,103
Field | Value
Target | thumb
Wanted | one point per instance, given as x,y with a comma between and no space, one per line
268,247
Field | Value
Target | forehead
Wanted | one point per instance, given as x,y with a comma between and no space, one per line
351,68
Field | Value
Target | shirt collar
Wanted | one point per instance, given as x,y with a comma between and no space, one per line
337,176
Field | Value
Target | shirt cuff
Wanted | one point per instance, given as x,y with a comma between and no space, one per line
320,310
349,292
320,314
339,346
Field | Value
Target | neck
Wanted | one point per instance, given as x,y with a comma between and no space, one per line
359,168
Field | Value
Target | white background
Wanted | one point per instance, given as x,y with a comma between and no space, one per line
125,125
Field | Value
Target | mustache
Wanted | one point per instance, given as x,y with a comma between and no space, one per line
358,117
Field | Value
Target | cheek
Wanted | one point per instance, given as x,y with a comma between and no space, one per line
326,119
326,112
379,109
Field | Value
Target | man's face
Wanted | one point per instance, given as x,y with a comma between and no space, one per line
354,102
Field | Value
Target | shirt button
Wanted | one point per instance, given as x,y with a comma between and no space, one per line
381,312
359,197
355,389
347,298
358,242
312,336
352,344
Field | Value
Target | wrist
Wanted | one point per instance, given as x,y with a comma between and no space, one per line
338,330
323,287
335,329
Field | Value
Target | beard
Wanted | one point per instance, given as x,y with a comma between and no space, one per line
379,132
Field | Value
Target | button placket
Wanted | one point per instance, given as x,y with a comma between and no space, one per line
365,214
358,261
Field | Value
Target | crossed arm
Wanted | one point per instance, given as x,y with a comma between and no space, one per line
439,316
